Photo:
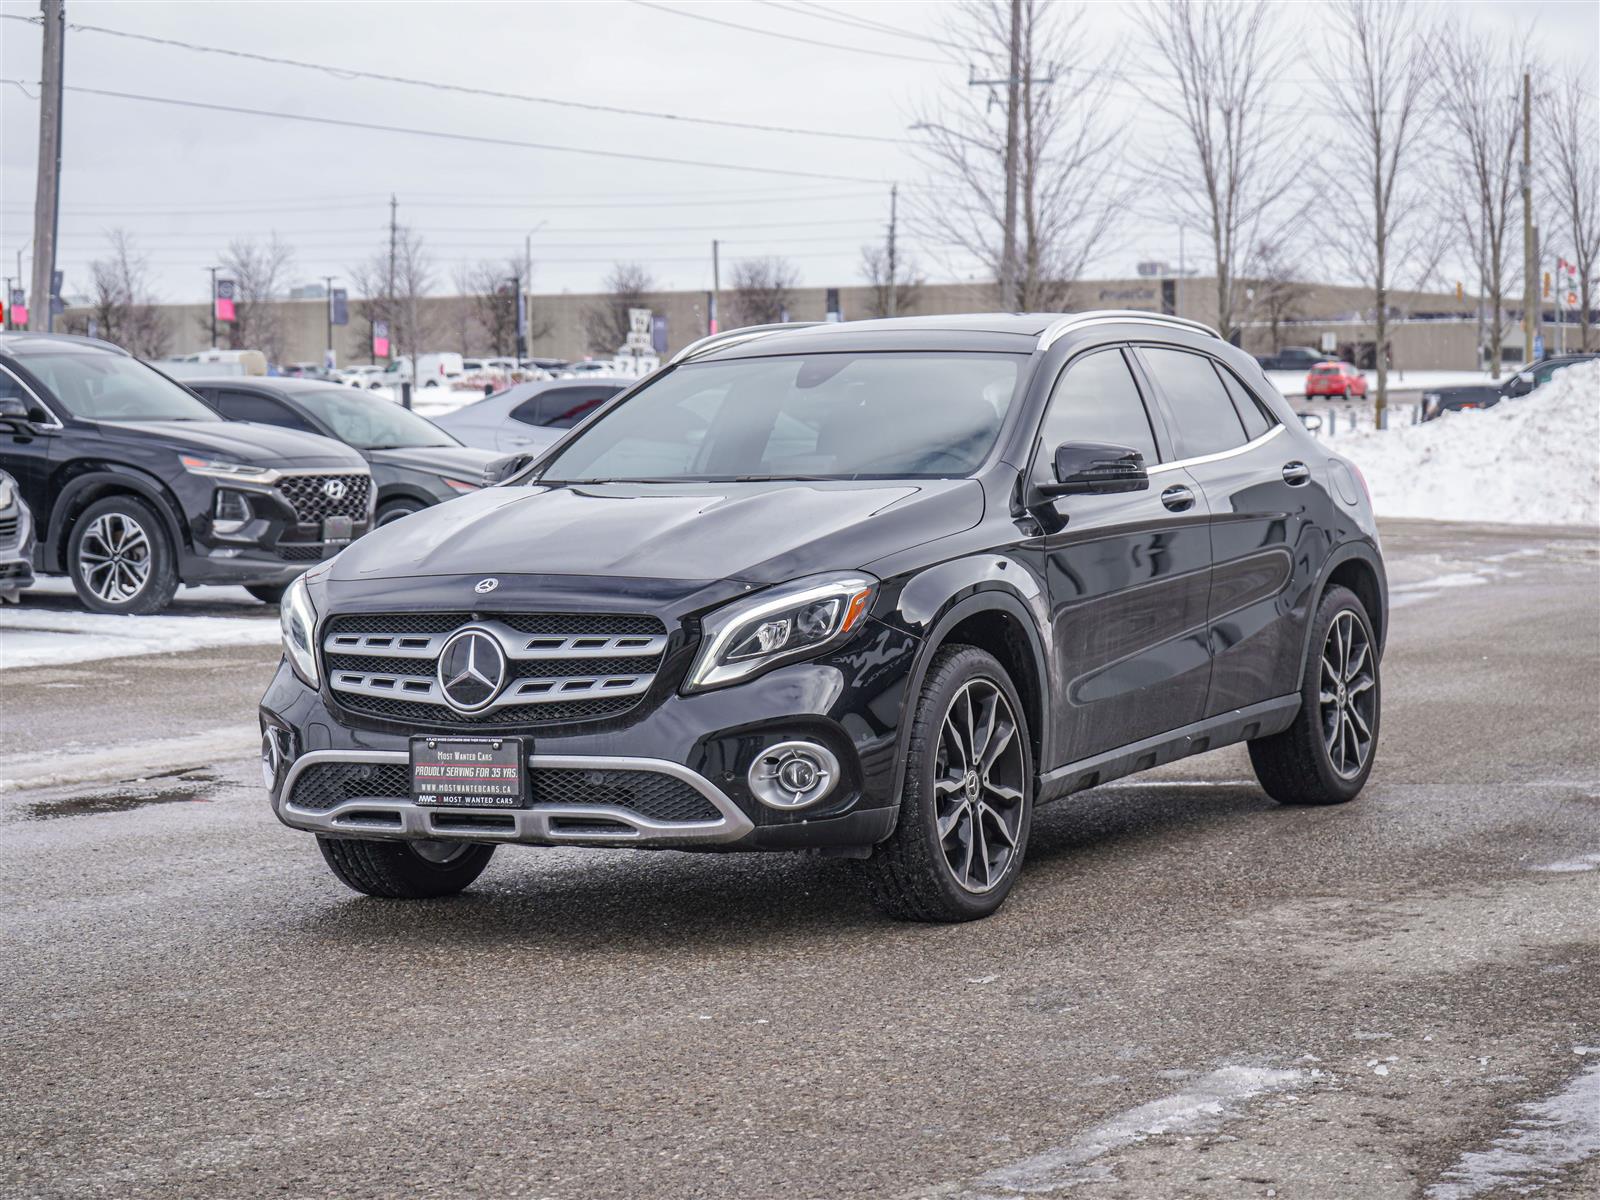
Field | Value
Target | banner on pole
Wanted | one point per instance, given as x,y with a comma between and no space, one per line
340,299
224,300
380,339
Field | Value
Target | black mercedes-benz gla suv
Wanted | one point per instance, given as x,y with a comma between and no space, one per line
136,486
873,589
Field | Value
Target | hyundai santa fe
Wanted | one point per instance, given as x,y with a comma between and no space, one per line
875,590
136,486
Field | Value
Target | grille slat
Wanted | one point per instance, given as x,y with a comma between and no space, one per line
651,794
569,681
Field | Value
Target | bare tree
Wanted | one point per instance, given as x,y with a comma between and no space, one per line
124,308
1044,139
761,290
1481,112
489,289
260,274
1225,175
605,324
1275,291
904,282
391,284
1573,171
1380,87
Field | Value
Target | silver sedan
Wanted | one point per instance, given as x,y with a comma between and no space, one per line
527,417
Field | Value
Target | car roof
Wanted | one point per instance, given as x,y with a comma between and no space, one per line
287,385
24,342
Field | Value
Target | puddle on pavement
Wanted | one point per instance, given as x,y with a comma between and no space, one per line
169,787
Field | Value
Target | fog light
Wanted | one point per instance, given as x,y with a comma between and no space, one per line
271,757
793,774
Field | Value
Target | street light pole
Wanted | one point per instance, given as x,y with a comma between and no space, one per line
213,271
327,287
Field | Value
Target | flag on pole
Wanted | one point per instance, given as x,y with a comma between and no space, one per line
19,308
224,300
380,339
340,300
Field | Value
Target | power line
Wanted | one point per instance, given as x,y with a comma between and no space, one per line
463,89
789,37
517,230
835,16
530,202
478,139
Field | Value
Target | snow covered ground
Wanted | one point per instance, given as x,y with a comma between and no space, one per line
1530,461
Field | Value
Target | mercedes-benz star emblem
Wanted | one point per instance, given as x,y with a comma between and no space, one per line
486,585
334,489
471,670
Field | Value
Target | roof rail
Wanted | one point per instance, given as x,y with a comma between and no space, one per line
732,337
1120,316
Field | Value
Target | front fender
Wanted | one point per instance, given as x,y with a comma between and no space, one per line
107,477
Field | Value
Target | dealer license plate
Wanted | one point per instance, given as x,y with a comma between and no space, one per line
469,772
337,529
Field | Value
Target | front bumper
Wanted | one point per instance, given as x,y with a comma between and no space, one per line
589,779
16,551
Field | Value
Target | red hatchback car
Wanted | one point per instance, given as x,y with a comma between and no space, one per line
1335,379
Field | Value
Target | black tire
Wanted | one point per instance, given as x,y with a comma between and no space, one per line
267,593
1298,766
397,871
395,509
909,876
105,588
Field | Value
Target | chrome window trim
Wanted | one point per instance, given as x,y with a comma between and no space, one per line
54,422
532,824
1121,317
1202,459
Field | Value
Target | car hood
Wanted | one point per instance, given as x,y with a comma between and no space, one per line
756,533
241,442
458,462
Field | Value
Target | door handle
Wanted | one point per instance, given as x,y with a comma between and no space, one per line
1296,473
1178,498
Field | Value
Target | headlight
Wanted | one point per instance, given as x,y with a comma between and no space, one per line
460,485
227,470
298,620
8,493
779,625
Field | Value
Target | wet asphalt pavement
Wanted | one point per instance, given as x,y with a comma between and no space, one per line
1193,992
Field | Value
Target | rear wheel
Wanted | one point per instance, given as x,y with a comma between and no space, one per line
405,870
1326,755
267,593
395,509
968,802
120,558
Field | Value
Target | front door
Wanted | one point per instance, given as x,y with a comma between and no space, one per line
25,450
1128,574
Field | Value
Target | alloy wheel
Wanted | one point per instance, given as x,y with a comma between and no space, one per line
114,558
978,786
1348,695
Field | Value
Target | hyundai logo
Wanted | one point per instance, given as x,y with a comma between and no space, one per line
472,668
484,586
334,489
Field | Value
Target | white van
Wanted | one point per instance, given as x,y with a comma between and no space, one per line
436,370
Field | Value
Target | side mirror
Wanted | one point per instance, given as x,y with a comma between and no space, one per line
1521,384
13,411
502,469
1096,468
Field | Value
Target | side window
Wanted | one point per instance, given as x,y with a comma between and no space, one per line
1203,417
247,406
561,408
1097,401
11,387
1257,417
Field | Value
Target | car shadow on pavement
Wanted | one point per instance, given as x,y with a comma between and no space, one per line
563,901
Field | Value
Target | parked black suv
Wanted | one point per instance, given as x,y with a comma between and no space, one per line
1292,358
1438,401
136,486
414,463
874,589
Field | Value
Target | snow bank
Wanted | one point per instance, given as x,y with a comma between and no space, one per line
31,637
1531,461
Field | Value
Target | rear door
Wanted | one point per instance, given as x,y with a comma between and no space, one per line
1128,573
1265,523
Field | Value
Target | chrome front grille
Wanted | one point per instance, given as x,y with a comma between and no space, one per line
559,667
312,496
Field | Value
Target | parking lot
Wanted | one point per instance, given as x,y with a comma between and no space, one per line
1192,992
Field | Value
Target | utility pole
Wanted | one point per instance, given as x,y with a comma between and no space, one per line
213,271
7,324
893,305
1530,264
327,289
716,287
47,195
1014,83
524,302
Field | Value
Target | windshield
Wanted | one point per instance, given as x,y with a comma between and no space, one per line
818,416
109,387
369,423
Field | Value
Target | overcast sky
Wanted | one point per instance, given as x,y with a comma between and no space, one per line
185,180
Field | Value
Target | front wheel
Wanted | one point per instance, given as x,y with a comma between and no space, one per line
395,509
267,593
967,806
1326,755
121,559
404,870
